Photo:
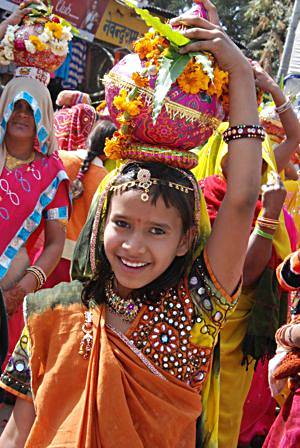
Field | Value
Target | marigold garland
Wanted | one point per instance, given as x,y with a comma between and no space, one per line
151,47
130,105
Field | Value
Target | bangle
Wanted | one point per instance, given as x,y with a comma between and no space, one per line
258,231
284,107
268,224
244,131
39,275
271,221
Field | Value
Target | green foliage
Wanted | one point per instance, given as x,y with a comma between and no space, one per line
169,70
269,22
162,28
259,25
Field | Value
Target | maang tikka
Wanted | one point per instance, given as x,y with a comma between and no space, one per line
144,181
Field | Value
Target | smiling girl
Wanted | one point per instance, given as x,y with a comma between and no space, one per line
118,357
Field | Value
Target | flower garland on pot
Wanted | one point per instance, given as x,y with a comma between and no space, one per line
40,31
158,51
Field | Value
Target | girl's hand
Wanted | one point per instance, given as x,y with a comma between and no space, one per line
17,16
273,197
263,79
210,37
210,9
13,299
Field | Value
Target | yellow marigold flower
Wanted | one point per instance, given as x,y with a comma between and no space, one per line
124,121
140,81
120,100
133,107
39,45
112,148
55,28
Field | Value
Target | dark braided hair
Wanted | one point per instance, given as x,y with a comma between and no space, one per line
96,142
184,203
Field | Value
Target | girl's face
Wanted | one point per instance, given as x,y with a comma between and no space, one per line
141,240
21,123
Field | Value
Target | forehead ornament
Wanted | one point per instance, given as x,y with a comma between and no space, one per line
144,181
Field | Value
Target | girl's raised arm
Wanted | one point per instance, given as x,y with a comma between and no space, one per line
228,242
284,151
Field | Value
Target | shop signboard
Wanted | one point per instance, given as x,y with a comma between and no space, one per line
119,25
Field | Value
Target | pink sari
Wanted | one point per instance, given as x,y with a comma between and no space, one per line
31,196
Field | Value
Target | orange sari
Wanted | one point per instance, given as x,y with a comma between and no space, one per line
117,398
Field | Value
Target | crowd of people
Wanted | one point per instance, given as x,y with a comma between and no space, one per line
144,304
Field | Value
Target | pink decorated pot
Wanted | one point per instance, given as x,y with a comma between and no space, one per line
44,60
186,120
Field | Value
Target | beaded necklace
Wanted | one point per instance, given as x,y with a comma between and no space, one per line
127,309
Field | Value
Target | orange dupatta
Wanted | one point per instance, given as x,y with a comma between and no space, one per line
134,407
117,398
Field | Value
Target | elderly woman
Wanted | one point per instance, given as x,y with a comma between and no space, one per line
33,190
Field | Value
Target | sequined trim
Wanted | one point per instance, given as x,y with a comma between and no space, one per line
138,353
173,109
163,334
17,374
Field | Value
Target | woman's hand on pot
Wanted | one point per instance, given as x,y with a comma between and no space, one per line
17,16
206,36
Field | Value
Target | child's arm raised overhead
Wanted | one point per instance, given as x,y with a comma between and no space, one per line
227,245
288,118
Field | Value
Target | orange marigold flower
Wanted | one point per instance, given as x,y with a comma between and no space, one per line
101,106
220,83
139,80
143,45
55,28
150,46
193,79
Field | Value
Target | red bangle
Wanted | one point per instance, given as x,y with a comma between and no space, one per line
244,131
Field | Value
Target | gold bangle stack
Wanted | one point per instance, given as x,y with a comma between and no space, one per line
267,223
39,275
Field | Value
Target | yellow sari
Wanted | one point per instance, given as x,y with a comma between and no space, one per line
227,387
